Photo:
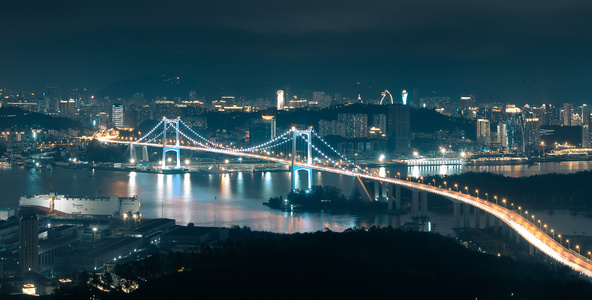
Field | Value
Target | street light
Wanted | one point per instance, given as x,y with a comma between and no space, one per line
590,254
567,241
398,175
545,225
421,179
445,185
495,197
467,189
487,196
539,221
434,181
560,239
477,192
456,186
553,233
578,248
504,201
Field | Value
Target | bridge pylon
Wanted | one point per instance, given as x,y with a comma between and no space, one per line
132,153
295,168
166,148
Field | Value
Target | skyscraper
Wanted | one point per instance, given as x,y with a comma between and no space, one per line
404,97
117,115
567,111
281,101
483,132
262,130
398,129
532,137
28,241
502,135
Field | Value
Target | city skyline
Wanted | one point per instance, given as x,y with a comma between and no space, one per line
515,52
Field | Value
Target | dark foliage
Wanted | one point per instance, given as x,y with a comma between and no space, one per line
11,117
97,152
359,263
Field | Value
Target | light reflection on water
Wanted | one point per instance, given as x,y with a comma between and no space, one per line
236,198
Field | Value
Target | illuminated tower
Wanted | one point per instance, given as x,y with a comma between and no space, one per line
567,111
28,241
483,131
502,135
404,97
280,100
117,115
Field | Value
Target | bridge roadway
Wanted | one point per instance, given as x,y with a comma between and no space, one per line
529,231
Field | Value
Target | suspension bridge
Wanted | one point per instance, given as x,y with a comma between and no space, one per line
304,150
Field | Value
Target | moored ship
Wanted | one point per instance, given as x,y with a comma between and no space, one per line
64,205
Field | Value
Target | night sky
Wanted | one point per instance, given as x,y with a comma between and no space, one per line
542,48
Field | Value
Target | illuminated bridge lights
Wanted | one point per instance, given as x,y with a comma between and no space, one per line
529,231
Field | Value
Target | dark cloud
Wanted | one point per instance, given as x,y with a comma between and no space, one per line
422,43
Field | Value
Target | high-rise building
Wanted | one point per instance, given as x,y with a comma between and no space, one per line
262,130
514,127
356,125
502,135
397,130
379,121
586,130
532,136
28,241
281,101
117,115
320,99
483,132
466,102
404,95
567,114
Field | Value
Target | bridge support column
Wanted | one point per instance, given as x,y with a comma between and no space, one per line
145,157
132,153
505,232
467,215
389,195
487,220
496,225
456,213
398,197
415,203
477,218
424,204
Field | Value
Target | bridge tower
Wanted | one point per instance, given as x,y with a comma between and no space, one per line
295,168
132,153
175,148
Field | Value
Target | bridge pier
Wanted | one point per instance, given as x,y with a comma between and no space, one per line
145,157
415,203
477,217
496,225
424,204
132,153
467,215
390,188
487,220
456,213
